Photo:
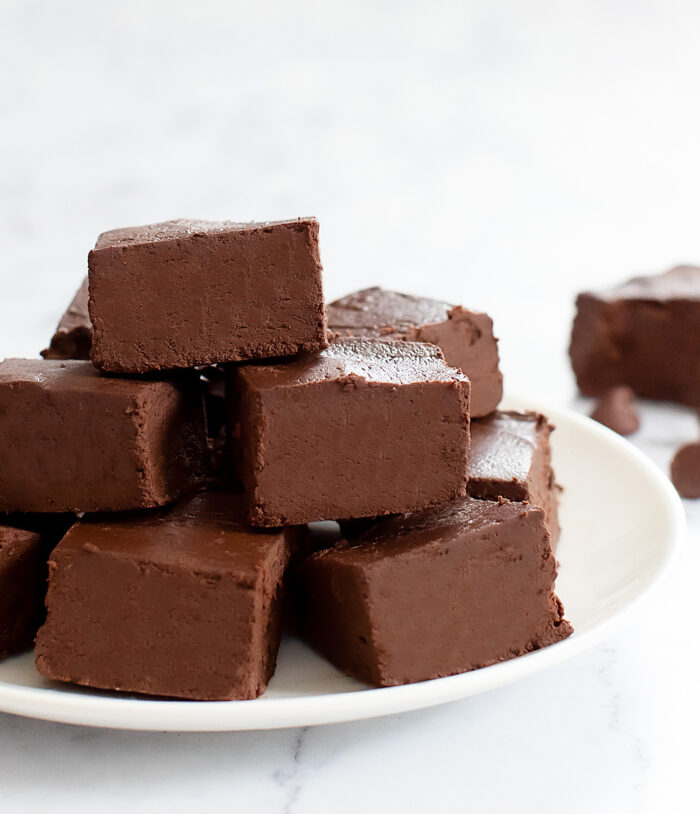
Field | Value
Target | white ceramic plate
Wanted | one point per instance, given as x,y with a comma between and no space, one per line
622,524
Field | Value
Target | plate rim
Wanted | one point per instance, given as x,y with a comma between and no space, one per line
143,714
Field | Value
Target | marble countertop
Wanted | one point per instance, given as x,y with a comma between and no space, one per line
499,154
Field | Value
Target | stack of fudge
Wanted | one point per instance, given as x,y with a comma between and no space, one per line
199,409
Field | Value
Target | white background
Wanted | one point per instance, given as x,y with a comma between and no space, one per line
499,154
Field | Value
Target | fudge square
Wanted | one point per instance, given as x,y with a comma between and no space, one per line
186,293
511,457
465,337
428,595
362,429
25,546
73,336
72,440
644,334
183,603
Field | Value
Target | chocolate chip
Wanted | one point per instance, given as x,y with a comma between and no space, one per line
617,410
685,470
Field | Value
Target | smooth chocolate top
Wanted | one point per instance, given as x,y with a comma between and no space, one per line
178,229
369,360
465,337
205,534
679,283
376,312
503,446
70,375
401,534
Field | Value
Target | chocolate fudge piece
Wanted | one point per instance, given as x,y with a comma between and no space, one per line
364,428
510,457
433,594
186,293
183,603
25,545
73,337
644,334
72,440
465,337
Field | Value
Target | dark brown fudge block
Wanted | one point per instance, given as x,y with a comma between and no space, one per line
186,293
364,428
25,546
73,337
511,457
183,603
644,334
72,440
465,337
433,594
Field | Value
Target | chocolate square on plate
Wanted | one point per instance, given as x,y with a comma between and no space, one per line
184,603
364,428
511,457
186,293
72,440
436,593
